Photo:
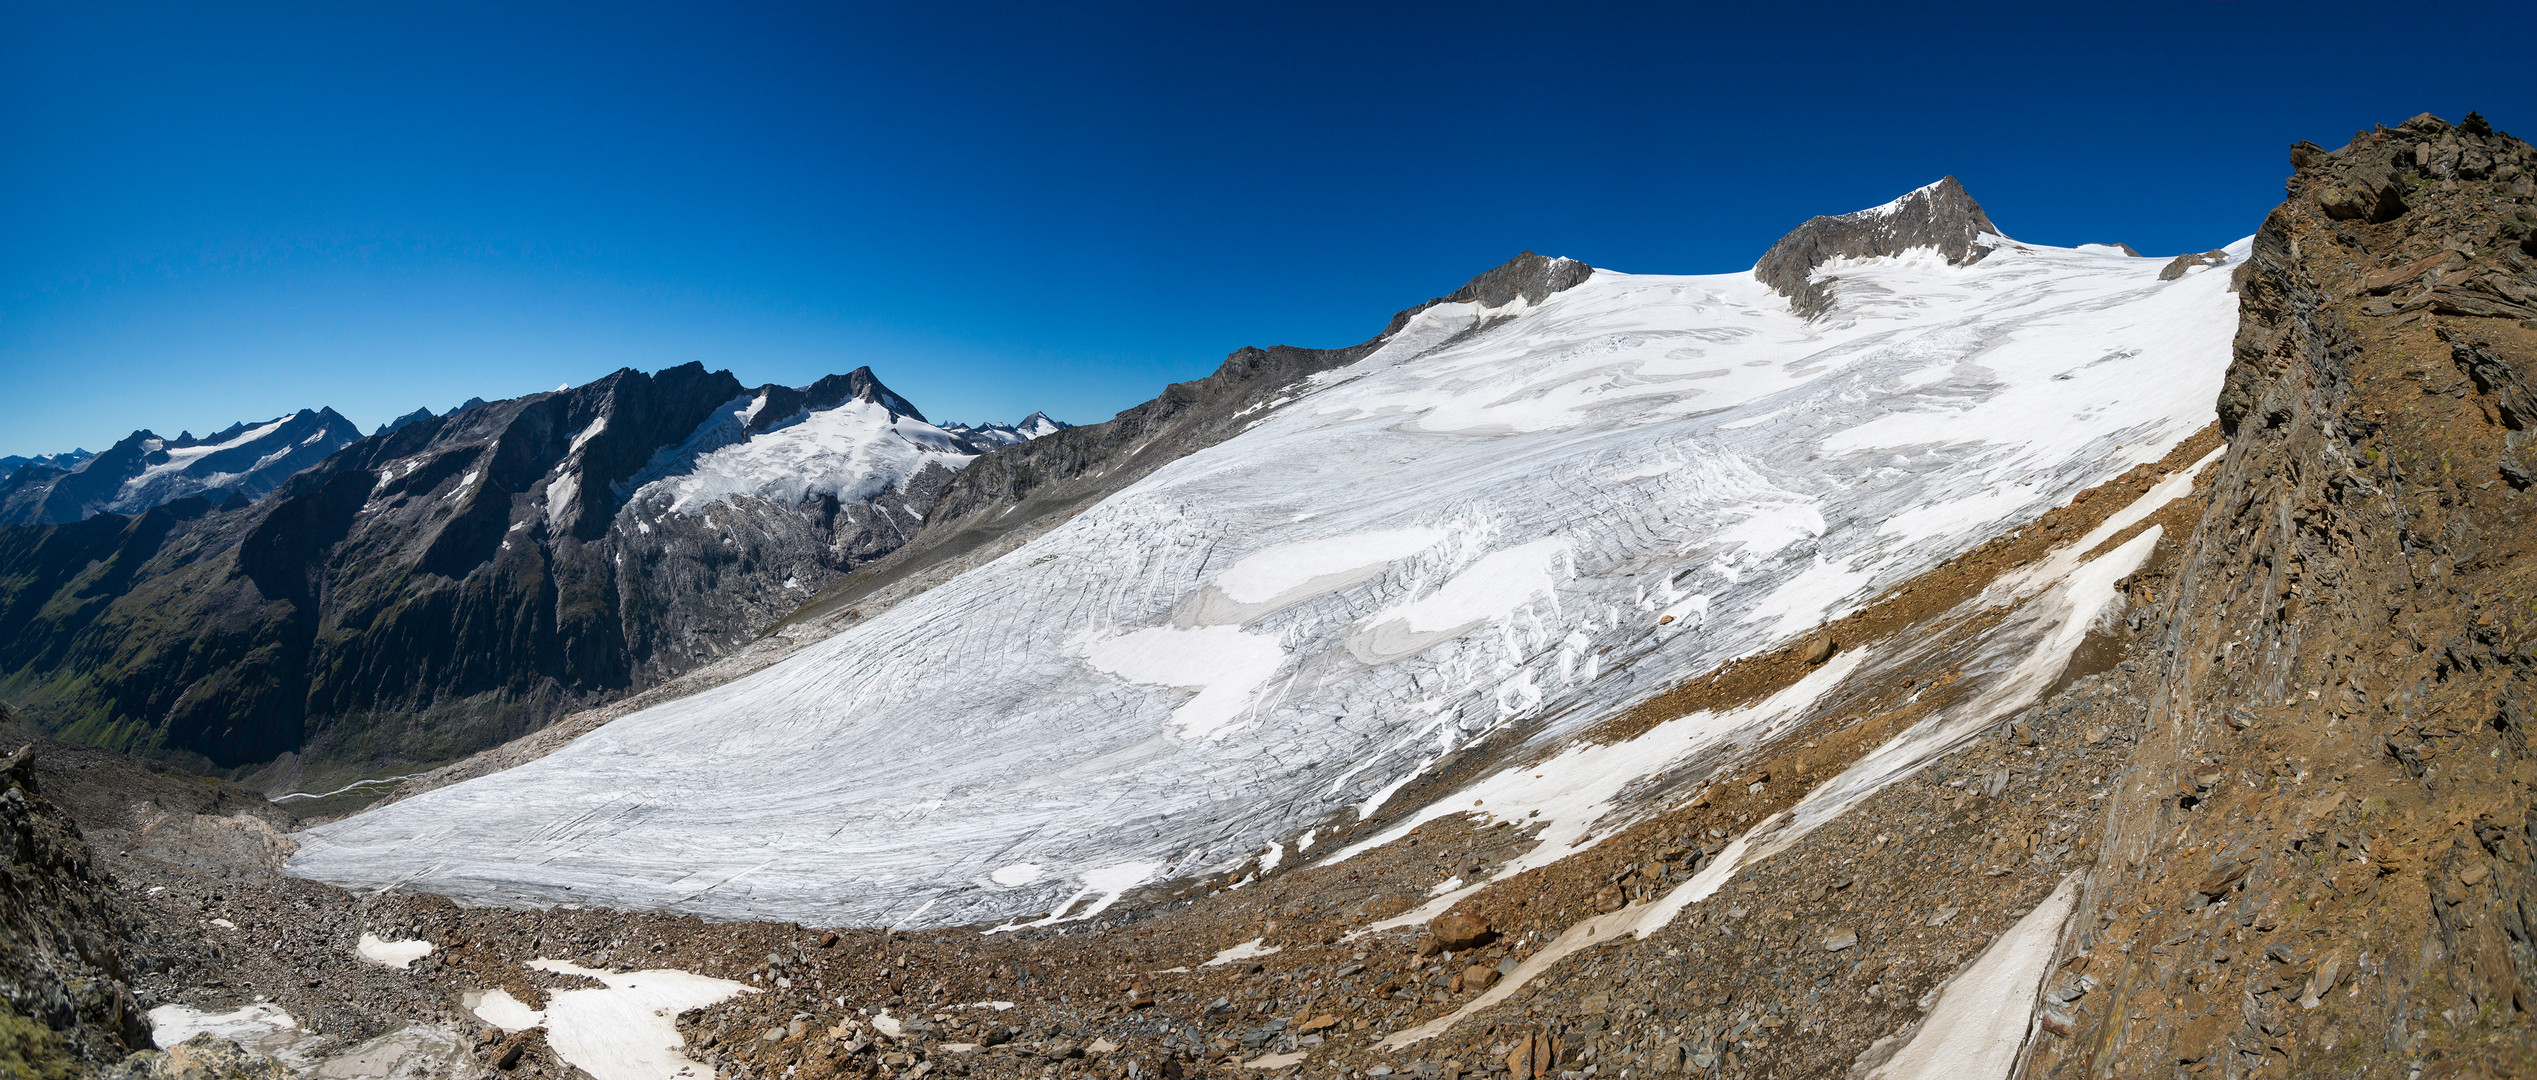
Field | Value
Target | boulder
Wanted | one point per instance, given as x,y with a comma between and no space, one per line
1459,932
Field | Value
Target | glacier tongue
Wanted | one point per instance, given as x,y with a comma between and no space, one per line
1507,521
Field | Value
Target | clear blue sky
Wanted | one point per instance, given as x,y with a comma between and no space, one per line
219,212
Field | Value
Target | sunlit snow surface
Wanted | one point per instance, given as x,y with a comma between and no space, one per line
1478,527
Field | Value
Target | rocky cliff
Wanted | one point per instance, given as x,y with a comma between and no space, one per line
65,1008
2322,858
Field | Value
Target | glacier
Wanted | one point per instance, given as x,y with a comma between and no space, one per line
1503,525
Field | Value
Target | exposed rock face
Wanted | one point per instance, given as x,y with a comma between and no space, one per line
1014,493
145,471
458,579
1939,216
2322,858
63,931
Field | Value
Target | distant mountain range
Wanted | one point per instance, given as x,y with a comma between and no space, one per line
64,462
450,580
144,470
992,435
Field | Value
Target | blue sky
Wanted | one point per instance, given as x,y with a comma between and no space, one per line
212,213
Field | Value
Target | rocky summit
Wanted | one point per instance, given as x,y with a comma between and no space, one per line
1854,667
1940,217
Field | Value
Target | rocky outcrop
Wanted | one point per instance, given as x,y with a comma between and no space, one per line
144,471
1941,216
2322,857
64,935
2177,266
447,584
1017,492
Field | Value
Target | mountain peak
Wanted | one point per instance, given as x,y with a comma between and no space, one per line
1527,276
1940,215
858,385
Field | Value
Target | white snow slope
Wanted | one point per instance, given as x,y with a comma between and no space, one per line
1461,535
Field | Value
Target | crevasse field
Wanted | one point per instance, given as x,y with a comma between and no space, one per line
1477,532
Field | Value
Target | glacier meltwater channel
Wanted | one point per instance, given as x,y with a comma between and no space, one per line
1503,523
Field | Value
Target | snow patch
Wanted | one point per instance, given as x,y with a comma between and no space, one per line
627,1030
396,954
1272,573
1248,950
1222,663
1985,1012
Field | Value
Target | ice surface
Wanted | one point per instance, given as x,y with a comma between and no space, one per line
1633,448
1222,663
1276,573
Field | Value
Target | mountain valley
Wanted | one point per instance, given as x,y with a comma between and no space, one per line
1925,654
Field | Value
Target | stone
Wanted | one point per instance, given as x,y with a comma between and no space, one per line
1840,939
1459,932
1476,977
1819,650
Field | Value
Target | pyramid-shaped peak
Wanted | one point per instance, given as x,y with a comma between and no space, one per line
1941,215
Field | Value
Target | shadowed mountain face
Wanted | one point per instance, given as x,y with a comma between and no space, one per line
455,580
142,471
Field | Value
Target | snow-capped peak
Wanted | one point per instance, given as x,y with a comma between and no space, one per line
992,436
